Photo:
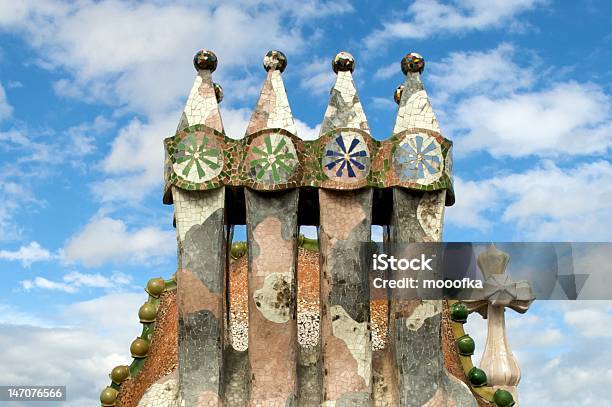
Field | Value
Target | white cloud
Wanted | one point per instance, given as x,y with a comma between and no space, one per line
48,147
562,358
15,198
235,121
28,149
28,254
490,103
317,76
146,74
6,110
305,132
493,72
46,284
591,322
543,203
36,156
566,119
74,281
473,200
388,71
11,315
81,140
425,18
105,239
383,103
94,337
134,165
151,72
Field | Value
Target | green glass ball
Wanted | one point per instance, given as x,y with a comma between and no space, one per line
120,373
466,345
503,398
139,348
477,377
238,250
156,286
108,396
147,312
459,312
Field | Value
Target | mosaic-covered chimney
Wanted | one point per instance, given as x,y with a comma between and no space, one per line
343,182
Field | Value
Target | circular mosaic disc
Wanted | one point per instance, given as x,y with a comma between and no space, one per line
346,157
272,159
198,158
418,158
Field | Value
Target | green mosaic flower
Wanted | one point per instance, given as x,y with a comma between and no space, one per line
197,159
273,159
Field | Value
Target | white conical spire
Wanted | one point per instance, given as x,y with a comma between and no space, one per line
272,109
415,110
202,106
344,108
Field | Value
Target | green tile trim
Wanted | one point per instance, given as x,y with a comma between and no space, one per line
148,329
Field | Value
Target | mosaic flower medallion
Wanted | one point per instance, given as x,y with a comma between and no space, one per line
346,157
418,159
198,158
271,158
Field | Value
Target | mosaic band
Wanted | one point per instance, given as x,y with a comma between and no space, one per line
201,158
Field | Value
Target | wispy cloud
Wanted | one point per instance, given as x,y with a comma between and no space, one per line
502,102
547,202
6,110
571,119
317,76
81,343
425,18
74,281
143,74
106,239
16,198
563,364
388,71
496,71
31,253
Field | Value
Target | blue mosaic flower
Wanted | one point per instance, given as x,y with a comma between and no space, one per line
418,159
346,156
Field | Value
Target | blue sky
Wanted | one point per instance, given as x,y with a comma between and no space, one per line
89,89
